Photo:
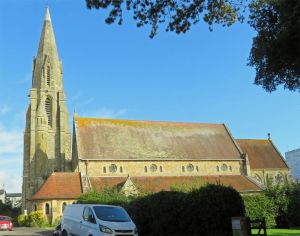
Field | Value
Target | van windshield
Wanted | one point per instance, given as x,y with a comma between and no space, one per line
113,214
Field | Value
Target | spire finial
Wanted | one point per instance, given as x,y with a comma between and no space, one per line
47,17
269,136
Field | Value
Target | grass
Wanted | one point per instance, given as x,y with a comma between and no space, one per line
281,232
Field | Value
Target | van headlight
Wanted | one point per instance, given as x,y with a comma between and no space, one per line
105,229
135,230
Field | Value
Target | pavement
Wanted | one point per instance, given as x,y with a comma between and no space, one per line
27,231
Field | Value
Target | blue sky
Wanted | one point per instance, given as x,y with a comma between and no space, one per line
119,72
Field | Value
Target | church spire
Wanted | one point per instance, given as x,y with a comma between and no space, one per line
46,64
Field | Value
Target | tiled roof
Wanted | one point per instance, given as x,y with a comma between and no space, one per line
60,185
262,154
158,183
131,139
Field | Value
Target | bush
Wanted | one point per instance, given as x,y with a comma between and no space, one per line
108,196
209,209
158,214
205,211
37,218
21,220
287,199
258,206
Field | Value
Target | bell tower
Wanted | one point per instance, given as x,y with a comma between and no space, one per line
47,137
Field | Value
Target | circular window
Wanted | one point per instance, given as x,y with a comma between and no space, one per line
278,179
224,167
190,167
153,168
113,168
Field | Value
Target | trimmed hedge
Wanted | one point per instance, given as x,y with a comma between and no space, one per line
203,211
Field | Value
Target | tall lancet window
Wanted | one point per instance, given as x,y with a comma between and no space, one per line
48,76
48,107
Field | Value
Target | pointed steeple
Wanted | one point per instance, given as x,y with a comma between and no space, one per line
47,17
47,62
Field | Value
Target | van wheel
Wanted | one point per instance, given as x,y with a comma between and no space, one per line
64,233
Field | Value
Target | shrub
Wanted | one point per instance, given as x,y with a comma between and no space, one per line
258,206
205,211
287,199
37,218
208,210
158,214
107,196
21,220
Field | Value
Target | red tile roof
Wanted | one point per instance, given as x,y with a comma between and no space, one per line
159,183
60,185
262,154
133,139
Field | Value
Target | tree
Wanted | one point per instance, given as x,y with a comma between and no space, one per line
178,15
275,52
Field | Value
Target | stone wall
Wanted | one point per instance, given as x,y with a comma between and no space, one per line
159,167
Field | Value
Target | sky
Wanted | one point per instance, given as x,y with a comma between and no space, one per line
119,72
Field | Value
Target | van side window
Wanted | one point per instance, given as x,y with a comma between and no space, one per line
88,215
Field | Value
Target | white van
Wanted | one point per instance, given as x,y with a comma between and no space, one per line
96,220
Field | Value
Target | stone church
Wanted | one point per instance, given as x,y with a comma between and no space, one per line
137,157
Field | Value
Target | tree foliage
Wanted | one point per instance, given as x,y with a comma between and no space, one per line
176,15
275,52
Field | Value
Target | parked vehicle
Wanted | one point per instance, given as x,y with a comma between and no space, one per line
96,220
57,231
5,223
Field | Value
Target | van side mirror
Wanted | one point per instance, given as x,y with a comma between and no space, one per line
92,219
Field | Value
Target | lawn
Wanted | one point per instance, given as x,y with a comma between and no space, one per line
281,232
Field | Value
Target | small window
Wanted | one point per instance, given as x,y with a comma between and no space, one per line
121,169
278,178
113,168
224,167
153,168
35,207
47,209
183,169
104,169
230,168
63,207
160,168
218,168
146,169
190,167
197,168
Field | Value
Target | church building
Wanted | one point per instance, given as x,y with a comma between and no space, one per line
137,157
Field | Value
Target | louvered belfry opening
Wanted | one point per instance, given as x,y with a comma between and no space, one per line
48,106
48,75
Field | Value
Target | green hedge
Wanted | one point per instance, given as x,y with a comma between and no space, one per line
204,211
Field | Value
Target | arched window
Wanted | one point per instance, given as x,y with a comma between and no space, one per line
145,168
197,168
63,207
153,168
224,167
104,169
35,207
47,209
48,75
190,167
113,168
183,169
160,168
279,178
218,168
121,169
48,107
